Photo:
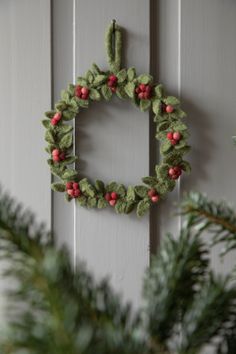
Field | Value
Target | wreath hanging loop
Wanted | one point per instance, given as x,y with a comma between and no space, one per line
97,85
113,47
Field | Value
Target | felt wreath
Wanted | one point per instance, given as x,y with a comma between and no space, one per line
97,85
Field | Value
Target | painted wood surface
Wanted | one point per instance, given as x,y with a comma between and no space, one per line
25,89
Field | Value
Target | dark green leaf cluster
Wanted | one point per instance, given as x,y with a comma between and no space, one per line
55,309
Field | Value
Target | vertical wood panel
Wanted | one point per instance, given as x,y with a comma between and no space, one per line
113,144
62,61
25,89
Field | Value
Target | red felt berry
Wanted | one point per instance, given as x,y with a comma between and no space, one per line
112,202
112,78
70,192
55,152
107,197
173,142
171,171
152,192
163,107
155,198
141,95
114,195
54,121
76,193
56,158
84,91
169,135
78,90
57,116
75,185
113,89
148,89
145,95
169,108
176,136
142,87
137,90
69,185
84,97
110,83
62,156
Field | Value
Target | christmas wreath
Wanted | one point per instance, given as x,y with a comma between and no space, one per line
97,85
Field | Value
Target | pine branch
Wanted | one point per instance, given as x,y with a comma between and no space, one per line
181,264
217,218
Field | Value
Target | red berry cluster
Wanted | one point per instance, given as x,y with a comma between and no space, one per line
144,92
111,198
82,92
56,118
58,155
152,193
73,190
112,82
175,172
167,108
174,137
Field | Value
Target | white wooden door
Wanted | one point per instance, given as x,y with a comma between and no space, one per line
189,45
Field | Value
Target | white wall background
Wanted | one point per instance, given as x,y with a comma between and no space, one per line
189,45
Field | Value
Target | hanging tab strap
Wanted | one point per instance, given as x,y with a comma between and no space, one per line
113,46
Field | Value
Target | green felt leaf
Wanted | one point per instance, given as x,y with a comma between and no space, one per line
141,191
65,96
129,207
71,89
99,79
145,105
121,190
64,129
131,73
159,91
171,100
162,170
112,187
106,92
180,113
121,75
83,103
91,202
69,160
81,81
145,79
179,126
50,114
89,76
185,165
86,187
58,187
46,123
95,69
82,200
94,94
102,203
60,106
69,174
120,207
120,92
156,106
99,185
129,89
143,207
68,115
163,126
130,196
165,147
66,141
150,181
49,137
